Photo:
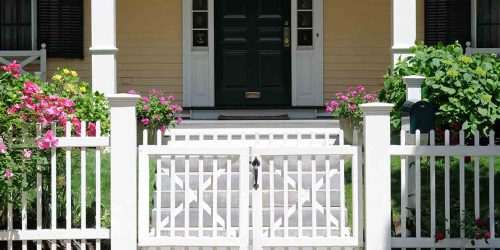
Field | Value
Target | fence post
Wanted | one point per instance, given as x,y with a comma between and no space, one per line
123,171
377,134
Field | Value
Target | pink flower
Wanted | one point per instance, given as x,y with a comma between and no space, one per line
27,154
332,106
171,98
3,148
145,99
352,107
163,128
175,108
360,88
132,92
53,111
91,130
8,174
66,102
439,237
163,100
145,108
344,98
179,120
155,91
31,88
47,141
487,235
145,121
13,68
369,97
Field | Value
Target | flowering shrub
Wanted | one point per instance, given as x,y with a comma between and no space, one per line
463,89
475,229
25,102
346,105
156,111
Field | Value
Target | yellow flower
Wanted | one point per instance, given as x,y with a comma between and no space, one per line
66,71
57,78
83,89
74,73
70,88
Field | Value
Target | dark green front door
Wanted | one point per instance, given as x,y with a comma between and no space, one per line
252,53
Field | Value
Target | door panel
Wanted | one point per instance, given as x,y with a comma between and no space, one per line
250,55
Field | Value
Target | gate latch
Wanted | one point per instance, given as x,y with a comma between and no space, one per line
255,164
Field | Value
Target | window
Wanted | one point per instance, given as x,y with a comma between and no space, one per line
488,24
26,24
16,25
200,23
304,23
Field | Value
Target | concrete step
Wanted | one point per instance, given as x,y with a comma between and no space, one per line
235,194
278,213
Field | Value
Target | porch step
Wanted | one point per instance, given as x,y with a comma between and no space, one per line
235,194
217,124
221,212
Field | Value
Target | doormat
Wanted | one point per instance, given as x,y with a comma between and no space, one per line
260,117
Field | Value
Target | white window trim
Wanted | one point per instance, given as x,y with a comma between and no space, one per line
472,45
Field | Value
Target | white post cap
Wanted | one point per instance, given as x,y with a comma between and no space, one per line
122,100
376,108
413,87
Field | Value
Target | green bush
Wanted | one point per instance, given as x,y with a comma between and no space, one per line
464,90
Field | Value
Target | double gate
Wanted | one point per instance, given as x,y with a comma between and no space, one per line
250,196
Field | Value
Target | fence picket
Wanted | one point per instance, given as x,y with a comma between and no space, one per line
342,188
159,187
172,197
186,196
404,190
418,193
300,226
285,195
492,186
68,184
214,196
9,221
228,197
433,184
83,184
447,186
201,180
476,179
98,185
53,188
462,183
328,196
39,193
271,197
314,194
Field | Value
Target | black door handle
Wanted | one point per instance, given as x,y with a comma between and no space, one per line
255,164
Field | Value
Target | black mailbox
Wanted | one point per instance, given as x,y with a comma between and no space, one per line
421,114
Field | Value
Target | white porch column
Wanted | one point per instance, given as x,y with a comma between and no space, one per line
404,28
104,46
377,133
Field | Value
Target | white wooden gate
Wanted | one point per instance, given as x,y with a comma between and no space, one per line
201,195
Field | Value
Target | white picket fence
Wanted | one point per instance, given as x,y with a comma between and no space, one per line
433,152
203,193
56,235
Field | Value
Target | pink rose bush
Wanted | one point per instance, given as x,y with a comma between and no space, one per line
346,104
25,102
156,111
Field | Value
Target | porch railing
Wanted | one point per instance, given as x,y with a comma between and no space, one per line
27,57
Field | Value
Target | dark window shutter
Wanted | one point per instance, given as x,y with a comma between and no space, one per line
15,25
60,27
447,21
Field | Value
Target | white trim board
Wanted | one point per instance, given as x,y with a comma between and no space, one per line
199,63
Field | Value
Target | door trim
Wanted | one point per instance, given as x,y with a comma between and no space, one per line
199,63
